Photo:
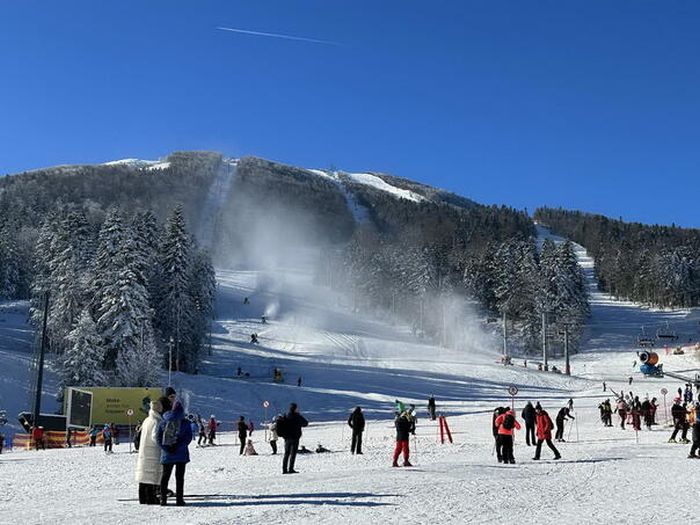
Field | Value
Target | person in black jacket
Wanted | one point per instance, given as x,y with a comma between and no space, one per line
528,415
680,421
432,408
292,424
561,417
405,425
357,423
242,433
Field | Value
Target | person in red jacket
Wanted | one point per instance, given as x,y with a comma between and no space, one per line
38,437
506,424
543,431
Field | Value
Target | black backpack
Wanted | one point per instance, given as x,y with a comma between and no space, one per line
281,426
509,422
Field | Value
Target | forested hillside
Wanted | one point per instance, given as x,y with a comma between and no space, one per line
656,265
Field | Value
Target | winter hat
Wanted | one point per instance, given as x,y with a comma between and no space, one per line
170,391
212,417
538,407
293,407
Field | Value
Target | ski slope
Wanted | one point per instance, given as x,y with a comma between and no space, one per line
345,359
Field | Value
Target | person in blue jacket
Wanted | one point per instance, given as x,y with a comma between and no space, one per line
174,435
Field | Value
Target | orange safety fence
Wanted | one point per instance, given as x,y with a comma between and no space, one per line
53,439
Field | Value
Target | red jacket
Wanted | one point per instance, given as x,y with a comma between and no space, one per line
543,426
501,429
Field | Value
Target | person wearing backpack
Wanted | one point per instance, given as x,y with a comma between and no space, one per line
356,421
292,424
497,447
405,425
544,432
174,435
507,424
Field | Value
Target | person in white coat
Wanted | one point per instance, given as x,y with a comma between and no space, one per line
148,467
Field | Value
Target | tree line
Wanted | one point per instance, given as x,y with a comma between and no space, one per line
120,293
655,265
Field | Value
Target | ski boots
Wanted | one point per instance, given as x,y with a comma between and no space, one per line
672,441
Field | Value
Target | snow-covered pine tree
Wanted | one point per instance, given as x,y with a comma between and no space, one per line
82,362
174,316
10,265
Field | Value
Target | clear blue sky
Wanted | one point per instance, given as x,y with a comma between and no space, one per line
586,104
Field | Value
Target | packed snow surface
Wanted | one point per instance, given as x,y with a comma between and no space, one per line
380,184
347,359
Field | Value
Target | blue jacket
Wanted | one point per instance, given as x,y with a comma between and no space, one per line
181,453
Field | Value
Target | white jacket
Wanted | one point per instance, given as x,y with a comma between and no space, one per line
148,467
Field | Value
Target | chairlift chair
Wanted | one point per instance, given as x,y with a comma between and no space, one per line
666,333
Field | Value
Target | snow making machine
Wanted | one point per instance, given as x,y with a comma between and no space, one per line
650,364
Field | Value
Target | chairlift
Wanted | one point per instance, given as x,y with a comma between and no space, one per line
666,333
644,341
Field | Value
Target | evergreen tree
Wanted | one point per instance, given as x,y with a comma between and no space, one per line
82,363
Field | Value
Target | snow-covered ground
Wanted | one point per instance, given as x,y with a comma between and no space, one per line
347,359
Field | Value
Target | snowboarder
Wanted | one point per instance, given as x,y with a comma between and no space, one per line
356,421
680,421
528,415
562,416
544,432
174,435
405,425
289,428
148,468
494,428
432,408
507,424
242,433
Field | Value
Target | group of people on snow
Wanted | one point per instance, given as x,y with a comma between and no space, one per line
538,430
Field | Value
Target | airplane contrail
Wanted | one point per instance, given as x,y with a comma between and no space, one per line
278,35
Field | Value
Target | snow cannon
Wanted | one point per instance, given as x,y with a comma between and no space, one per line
648,358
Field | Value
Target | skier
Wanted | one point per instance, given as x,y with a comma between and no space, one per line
263,319
604,386
528,415
688,394
653,406
202,432
254,339
608,413
562,416
289,428
696,435
356,421
273,435
680,421
621,410
299,381
494,428
637,414
431,408
242,433
148,468
405,425
212,427
107,438
544,432
506,424
174,435
246,300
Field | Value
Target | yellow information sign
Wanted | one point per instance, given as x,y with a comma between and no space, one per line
110,404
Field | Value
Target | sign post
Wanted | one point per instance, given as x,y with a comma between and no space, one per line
129,413
266,404
663,393
513,391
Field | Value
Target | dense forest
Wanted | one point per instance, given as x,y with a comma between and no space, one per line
655,265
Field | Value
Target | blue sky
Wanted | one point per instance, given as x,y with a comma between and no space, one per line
593,105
